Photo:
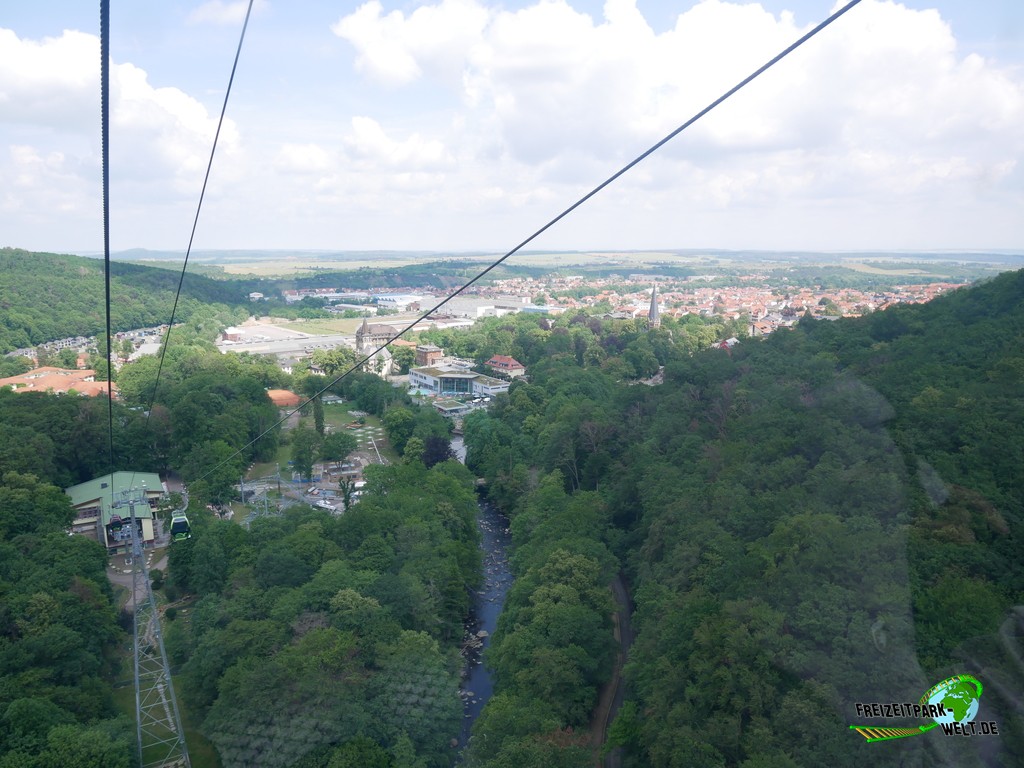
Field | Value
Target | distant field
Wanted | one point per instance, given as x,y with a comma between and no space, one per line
291,268
892,269
591,259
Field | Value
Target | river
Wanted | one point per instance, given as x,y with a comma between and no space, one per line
477,685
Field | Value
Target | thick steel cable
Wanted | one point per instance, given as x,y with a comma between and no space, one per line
105,163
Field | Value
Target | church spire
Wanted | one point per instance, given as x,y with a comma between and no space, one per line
653,317
362,334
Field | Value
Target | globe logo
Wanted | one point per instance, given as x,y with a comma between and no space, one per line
959,696
952,705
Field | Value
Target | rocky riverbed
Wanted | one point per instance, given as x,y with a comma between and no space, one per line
477,685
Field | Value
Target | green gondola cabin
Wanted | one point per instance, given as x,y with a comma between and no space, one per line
180,528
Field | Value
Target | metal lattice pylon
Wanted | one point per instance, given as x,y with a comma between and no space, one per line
161,737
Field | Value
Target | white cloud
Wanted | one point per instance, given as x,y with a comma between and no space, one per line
370,146
35,173
220,12
49,83
303,159
881,100
160,137
470,125
161,134
397,49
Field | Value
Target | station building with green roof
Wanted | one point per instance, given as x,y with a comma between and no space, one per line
102,512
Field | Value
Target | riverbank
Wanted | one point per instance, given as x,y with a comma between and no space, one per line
495,539
477,684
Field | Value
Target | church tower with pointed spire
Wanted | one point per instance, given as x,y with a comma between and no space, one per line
653,316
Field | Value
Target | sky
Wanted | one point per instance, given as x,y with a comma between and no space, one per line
459,125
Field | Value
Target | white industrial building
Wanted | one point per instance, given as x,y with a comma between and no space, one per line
451,380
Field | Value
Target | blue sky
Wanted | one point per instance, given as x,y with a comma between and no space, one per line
463,124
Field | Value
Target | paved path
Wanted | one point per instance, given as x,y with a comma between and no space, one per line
613,693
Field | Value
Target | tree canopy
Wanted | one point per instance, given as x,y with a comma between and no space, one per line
325,640
58,637
35,284
822,517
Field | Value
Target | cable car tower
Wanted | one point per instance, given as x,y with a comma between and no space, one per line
161,737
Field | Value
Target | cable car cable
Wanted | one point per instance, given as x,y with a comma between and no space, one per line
199,208
191,239
615,176
105,158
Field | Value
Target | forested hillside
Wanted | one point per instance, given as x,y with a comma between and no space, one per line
61,648
59,637
321,640
829,516
48,296
308,640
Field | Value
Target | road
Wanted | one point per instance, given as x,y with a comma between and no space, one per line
614,692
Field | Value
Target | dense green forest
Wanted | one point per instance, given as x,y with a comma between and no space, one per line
826,516
621,349
61,646
48,296
829,516
63,440
59,638
354,623
333,641
209,406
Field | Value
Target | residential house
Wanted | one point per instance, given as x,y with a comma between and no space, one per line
58,381
507,366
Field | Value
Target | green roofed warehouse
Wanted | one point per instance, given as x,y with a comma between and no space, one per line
102,511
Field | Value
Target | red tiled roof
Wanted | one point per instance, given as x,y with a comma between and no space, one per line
504,361
58,381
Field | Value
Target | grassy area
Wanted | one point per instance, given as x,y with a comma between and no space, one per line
877,268
324,326
240,510
267,468
155,556
294,266
337,416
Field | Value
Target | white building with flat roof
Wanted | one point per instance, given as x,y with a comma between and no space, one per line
450,380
